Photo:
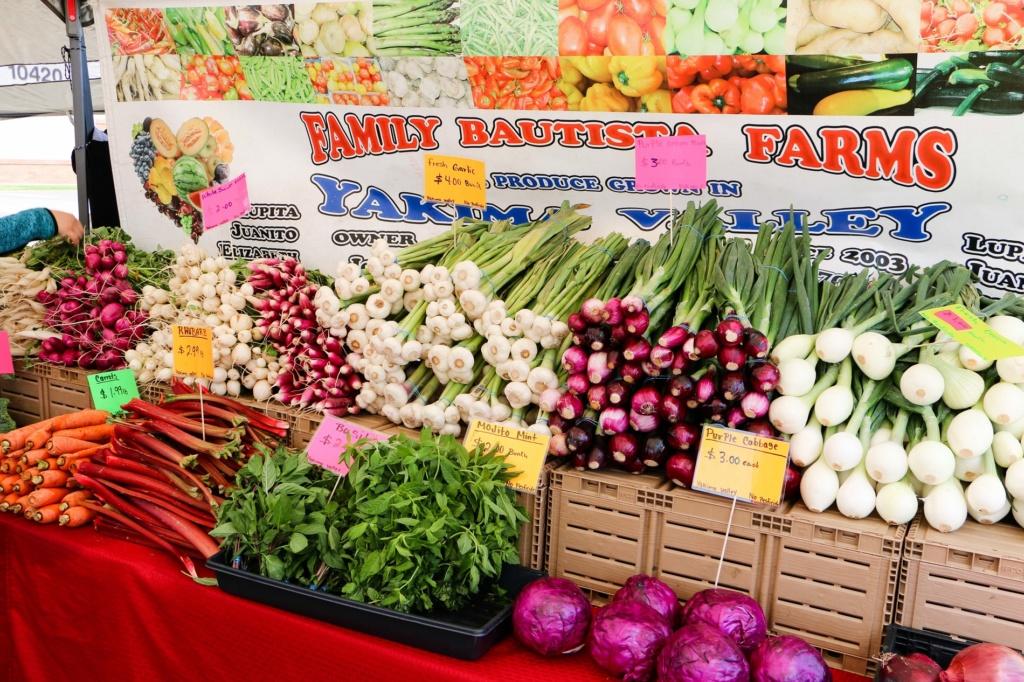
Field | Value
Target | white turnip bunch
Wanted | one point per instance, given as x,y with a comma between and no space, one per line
204,291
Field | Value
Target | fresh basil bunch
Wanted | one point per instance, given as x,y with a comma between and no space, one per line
282,515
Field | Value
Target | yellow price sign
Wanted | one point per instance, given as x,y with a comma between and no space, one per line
455,180
193,350
965,327
525,450
740,464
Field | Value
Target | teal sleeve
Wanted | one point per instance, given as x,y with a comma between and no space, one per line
19,229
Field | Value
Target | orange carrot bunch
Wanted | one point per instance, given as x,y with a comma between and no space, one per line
38,461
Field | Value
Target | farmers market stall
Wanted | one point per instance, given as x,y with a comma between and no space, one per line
366,377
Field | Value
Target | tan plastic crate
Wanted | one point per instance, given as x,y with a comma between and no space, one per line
67,390
26,393
154,392
607,526
598,524
688,538
533,535
967,584
834,583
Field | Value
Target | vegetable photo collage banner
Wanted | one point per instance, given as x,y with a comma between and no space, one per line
890,127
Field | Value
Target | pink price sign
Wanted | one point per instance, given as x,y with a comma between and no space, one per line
6,361
225,202
672,162
330,440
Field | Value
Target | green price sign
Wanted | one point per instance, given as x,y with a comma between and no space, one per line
111,390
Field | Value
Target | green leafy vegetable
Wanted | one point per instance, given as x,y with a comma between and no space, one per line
65,259
417,525
430,523
6,423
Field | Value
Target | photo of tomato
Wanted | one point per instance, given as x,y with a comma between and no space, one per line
611,28
338,80
525,83
962,26
728,84
207,77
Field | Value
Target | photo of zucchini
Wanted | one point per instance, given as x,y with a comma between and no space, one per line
989,82
830,85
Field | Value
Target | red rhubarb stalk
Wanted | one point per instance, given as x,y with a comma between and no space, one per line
191,408
158,447
266,422
166,467
105,473
188,530
190,514
187,440
142,408
132,465
214,473
150,537
112,527
122,505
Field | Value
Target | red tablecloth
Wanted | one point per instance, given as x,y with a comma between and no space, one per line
77,603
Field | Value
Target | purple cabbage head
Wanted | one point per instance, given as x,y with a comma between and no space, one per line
649,590
551,616
787,659
734,614
626,638
700,653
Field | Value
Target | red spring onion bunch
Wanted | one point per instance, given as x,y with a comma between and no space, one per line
314,371
636,397
94,313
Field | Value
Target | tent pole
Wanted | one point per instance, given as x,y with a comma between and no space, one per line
81,100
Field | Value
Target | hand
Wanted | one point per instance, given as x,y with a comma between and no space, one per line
68,226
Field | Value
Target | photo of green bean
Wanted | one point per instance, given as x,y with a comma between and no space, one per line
277,79
515,28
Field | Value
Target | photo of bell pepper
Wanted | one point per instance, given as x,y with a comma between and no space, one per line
727,84
603,97
627,84
718,96
681,71
635,76
757,94
597,69
657,102
524,83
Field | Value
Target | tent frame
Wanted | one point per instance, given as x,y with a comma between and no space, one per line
71,13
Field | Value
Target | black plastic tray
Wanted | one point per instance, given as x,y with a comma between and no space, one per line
900,639
467,634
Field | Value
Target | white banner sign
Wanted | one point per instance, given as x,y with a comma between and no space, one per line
325,180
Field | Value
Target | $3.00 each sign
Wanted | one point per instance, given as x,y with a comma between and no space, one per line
741,465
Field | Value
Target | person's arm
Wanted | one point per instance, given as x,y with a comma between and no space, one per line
20,228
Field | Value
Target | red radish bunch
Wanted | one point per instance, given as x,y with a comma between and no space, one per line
640,405
947,23
314,372
95,313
